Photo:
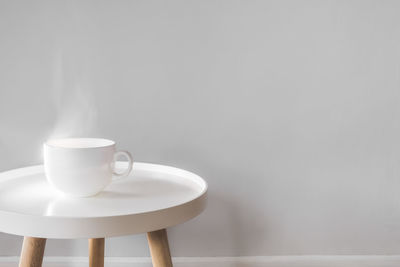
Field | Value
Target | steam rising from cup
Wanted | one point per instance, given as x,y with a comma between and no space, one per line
76,112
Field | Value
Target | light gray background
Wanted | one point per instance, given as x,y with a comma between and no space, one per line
289,109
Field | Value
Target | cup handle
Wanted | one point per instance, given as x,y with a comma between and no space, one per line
130,162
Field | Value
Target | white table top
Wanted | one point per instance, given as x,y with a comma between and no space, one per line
152,197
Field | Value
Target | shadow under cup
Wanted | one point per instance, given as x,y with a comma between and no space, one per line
81,167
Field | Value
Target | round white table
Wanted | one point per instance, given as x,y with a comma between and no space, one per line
151,199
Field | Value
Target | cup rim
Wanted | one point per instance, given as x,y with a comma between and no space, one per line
80,143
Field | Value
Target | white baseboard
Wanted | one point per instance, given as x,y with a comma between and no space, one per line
261,261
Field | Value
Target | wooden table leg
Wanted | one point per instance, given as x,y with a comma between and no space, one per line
32,252
96,252
159,248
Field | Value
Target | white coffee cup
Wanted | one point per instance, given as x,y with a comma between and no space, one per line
82,167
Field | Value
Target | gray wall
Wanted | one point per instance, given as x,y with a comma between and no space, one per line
289,109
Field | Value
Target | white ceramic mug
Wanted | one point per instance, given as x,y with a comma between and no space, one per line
82,167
